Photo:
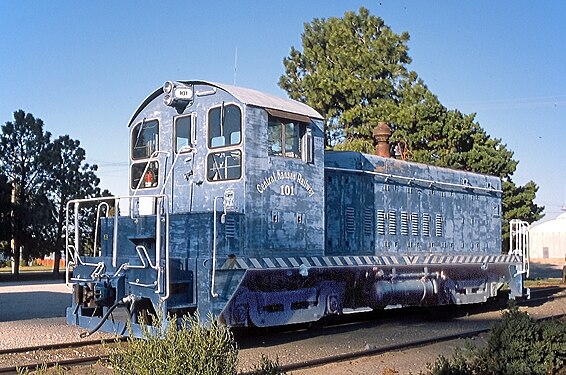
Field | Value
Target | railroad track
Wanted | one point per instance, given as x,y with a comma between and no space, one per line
317,362
55,350
540,295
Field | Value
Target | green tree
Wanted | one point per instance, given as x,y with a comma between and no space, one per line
70,177
350,70
518,202
5,215
23,144
44,176
354,71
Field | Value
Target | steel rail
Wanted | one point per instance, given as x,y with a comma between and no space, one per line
61,362
63,345
59,346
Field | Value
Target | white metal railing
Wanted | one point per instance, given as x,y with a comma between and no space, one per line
519,243
184,151
98,210
131,208
413,180
153,157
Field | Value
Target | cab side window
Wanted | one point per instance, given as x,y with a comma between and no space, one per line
289,138
224,135
224,126
184,132
144,143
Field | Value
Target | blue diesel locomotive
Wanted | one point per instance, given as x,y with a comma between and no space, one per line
235,208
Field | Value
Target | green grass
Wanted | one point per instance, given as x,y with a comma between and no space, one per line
534,283
28,269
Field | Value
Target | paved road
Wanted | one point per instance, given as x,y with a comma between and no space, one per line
33,299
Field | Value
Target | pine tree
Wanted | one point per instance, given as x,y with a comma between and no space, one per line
355,71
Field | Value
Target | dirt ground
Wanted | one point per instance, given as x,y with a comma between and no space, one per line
416,360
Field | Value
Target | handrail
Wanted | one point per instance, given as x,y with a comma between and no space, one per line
226,201
167,259
153,157
214,235
134,283
183,151
158,243
412,179
115,232
96,225
227,204
163,290
75,255
139,250
76,259
519,243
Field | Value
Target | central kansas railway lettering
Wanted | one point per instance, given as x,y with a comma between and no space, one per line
288,176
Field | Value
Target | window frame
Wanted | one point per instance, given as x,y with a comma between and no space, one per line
132,145
241,125
192,131
224,151
303,141
136,162
143,165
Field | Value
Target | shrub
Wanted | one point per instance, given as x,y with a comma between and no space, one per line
456,365
517,345
41,370
267,367
187,348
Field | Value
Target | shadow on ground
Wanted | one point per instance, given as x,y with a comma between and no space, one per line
545,270
33,305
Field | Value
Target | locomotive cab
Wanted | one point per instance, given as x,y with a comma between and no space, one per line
199,143
218,175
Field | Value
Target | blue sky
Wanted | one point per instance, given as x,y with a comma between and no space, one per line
84,67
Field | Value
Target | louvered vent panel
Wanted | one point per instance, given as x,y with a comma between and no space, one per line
404,223
380,222
350,220
230,227
415,223
438,225
426,224
393,223
368,221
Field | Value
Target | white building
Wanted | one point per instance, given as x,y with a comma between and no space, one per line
548,240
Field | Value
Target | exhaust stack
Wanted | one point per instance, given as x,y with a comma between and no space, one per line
381,133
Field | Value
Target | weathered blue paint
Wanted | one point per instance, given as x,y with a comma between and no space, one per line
292,239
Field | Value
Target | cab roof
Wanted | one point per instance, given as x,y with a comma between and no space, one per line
246,96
